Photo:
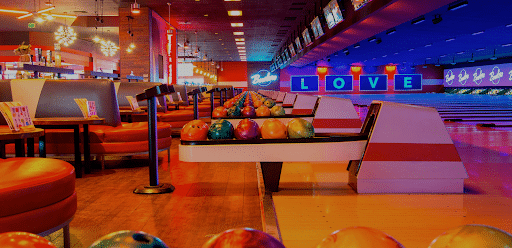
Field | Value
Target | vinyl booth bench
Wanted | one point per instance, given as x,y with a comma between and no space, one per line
55,98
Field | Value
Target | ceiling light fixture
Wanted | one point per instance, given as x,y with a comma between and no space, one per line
477,33
437,19
14,11
480,49
506,45
451,39
135,7
109,48
372,39
234,13
357,45
460,53
65,35
239,39
458,5
418,20
238,33
48,3
237,24
391,31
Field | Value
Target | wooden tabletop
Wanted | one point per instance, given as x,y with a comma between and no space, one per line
8,134
131,112
67,121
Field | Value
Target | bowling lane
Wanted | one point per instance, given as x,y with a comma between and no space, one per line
316,200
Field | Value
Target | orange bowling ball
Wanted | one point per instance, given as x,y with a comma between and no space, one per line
262,111
229,104
273,129
220,112
473,236
243,238
23,240
359,237
257,103
194,130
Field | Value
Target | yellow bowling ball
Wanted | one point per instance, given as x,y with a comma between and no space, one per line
473,236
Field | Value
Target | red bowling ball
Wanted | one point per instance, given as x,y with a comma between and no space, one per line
243,238
247,129
220,112
248,111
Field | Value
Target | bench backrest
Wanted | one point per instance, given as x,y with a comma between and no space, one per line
55,98
132,89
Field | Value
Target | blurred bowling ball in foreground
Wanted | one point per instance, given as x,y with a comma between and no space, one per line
247,129
219,112
234,111
243,238
23,240
473,236
300,128
277,111
263,111
221,129
273,129
128,239
359,237
269,103
194,130
248,111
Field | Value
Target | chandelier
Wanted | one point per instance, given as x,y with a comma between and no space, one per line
108,48
65,35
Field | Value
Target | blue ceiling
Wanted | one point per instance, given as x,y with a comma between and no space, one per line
426,43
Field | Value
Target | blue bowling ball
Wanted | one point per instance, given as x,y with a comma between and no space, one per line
128,239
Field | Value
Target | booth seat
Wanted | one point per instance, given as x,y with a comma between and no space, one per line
37,195
55,98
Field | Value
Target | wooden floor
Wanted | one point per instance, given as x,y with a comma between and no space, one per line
209,198
314,199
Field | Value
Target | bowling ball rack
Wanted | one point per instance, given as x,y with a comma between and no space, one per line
154,186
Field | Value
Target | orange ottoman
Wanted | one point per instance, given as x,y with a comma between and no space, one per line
37,195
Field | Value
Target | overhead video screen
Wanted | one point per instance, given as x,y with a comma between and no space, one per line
299,46
333,14
359,3
317,27
306,37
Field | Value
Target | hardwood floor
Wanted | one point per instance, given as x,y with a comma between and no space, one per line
209,198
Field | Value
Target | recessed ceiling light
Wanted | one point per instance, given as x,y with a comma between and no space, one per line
428,45
480,49
412,49
477,33
509,25
206,15
237,24
442,56
451,39
506,45
241,43
460,53
238,33
239,39
234,13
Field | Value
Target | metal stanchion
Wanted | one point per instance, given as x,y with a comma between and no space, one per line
154,186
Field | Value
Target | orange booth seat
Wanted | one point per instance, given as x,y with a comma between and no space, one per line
56,99
37,195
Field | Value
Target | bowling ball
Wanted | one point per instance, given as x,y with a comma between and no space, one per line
269,103
128,239
247,129
257,103
194,130
300,128
229,104
359,237
277,111
220,112
473,236
243,238
234,111
273,129
221,129
262,111
248,111
23,240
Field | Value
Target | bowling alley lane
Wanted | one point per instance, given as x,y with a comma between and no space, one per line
315,200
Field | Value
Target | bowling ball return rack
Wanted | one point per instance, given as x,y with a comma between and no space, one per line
400,149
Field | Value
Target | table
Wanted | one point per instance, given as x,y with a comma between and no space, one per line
72,123
272,153
126,115
7,136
